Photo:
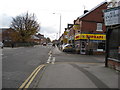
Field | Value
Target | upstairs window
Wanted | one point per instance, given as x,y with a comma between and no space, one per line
99,27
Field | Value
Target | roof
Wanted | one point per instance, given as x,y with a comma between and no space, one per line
93,9
34,37
5,28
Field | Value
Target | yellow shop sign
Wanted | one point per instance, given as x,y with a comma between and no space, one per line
91,36
76,27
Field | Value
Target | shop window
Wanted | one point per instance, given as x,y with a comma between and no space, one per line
101,46
69,41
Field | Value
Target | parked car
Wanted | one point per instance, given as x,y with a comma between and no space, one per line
1,44
44,44
50,44
67,48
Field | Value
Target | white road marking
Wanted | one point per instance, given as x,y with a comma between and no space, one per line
53,61
48,61
50,58
50,53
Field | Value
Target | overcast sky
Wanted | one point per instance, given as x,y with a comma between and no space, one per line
44,9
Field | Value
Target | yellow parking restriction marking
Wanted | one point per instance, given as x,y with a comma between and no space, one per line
29,80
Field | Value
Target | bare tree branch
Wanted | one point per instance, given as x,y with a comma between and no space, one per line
26,26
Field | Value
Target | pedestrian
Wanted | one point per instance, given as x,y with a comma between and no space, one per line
12,45
53,45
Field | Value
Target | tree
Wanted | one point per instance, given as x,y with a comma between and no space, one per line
25,26
48,40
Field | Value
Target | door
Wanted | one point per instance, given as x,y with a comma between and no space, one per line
83,47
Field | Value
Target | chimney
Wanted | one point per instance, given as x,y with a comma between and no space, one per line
85,11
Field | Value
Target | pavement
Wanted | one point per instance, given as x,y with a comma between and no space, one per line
77,75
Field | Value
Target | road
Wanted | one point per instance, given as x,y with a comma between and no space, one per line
18,63
61,70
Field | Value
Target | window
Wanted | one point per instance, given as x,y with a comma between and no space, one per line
99,27
101,45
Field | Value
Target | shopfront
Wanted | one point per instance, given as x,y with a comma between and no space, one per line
90,43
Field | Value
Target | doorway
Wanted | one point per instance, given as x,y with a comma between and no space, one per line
83,47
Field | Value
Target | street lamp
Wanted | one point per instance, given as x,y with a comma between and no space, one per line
60,24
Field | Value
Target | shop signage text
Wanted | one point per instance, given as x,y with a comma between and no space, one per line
90,36
112,16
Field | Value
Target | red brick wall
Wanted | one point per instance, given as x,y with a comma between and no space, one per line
89,21
96,15
114,65
88,26
91,27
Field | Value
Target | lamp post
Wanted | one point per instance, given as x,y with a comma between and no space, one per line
60,24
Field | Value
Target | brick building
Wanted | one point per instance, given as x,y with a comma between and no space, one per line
70,34
41,39
6,34
90,31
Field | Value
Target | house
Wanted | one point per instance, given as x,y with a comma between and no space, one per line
90,31
71,34
35,39
40,38
6,32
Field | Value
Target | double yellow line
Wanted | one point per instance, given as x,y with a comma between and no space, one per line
29,80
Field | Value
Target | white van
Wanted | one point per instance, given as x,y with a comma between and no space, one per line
50,44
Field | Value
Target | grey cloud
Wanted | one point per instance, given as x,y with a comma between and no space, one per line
50,32
48,29
5,20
